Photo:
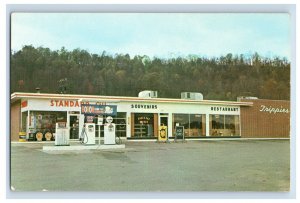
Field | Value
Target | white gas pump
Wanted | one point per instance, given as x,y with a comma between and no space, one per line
62,134
90,131
109,131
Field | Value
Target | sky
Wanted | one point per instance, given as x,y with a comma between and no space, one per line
156,34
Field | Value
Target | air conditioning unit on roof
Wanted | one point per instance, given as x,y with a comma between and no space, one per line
148,94
192,95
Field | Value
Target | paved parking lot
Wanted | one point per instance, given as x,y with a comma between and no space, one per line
248,165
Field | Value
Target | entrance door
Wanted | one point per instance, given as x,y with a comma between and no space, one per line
74,126
163,128
163,121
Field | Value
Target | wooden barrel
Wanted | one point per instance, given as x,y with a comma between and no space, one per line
48,136
39,136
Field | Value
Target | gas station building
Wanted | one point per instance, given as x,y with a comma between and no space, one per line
142,117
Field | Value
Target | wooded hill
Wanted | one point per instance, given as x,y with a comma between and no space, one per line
81,72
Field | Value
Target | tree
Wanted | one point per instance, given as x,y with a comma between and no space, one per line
224,77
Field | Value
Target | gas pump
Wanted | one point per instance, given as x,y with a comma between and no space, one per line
90,130
87,135
62,135
109,131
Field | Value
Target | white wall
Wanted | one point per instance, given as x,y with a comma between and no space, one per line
47,105
138,107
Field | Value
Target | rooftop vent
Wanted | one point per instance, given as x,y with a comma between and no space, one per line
38,90
192,95
148,94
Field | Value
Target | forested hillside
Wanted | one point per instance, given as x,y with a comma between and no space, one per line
81,72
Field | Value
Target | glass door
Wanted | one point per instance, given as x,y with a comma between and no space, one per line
74,126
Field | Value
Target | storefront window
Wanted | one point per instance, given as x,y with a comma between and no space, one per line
143,125
24,120
194,124
217,121
197,125
224,125
44,121
181,120
119,120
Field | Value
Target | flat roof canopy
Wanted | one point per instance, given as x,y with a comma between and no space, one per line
22,95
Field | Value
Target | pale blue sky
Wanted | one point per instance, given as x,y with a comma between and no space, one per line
154,34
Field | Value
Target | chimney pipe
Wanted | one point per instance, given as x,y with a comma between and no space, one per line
38,90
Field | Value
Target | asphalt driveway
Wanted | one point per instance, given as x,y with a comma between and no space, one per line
250,165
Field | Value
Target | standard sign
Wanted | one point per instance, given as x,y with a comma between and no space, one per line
93,109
